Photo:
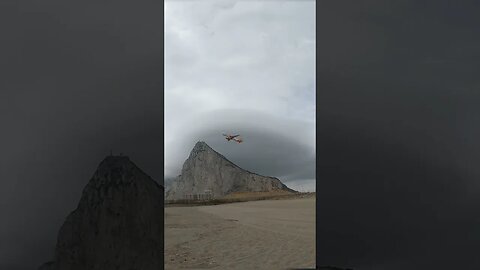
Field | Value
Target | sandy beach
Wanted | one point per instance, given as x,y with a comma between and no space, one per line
268,234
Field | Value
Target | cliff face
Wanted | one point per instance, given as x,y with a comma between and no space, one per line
118,223
205,169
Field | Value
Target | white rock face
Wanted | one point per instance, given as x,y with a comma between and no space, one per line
118,223
205,169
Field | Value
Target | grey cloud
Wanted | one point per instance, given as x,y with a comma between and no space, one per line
273,145
246,67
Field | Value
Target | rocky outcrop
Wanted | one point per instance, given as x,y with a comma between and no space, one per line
118,223
207,170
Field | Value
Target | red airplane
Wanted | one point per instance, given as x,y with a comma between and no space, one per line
233,137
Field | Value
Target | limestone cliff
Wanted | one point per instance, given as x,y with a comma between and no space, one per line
118,223
206,169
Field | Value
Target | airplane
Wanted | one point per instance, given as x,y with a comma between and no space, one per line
233,137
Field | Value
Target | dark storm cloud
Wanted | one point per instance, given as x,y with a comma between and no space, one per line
397,117
273,145
78,79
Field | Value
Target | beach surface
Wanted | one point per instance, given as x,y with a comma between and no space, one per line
267,234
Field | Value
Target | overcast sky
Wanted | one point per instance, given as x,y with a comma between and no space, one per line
244,67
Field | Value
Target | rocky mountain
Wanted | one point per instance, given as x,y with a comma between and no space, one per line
118,223
207,170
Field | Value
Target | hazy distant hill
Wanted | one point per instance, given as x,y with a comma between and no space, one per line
207,170
168,181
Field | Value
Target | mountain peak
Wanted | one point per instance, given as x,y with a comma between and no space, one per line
201,145
112,161
112,167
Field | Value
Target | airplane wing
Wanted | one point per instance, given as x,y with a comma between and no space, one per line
235,135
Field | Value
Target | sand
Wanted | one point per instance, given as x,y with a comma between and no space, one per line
268,234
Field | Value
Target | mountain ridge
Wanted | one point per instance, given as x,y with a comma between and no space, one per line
206,169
